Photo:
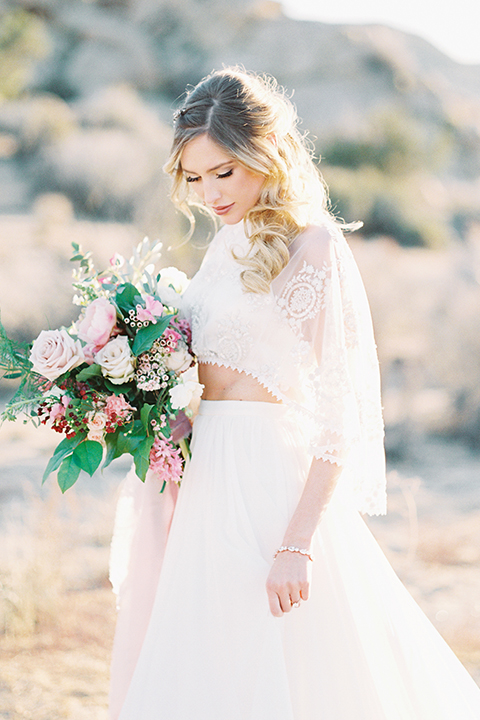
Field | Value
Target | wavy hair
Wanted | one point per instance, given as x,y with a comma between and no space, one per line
253,121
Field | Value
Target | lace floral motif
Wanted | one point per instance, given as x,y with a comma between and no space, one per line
198,319
234,338
304,295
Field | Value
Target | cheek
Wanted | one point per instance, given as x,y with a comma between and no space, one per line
256,189
195,189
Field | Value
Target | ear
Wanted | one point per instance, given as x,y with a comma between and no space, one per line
273,139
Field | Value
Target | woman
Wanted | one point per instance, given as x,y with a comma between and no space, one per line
273,600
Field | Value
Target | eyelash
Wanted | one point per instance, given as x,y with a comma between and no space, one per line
221,177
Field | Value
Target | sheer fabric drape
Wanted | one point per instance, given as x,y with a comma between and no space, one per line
309,341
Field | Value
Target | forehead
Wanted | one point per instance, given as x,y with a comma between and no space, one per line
203,154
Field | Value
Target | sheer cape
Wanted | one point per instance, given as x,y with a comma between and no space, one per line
309,341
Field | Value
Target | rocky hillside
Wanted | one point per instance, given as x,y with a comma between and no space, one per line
89,88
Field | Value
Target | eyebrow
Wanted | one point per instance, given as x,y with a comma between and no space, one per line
217,167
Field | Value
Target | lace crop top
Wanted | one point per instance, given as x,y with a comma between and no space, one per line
309,341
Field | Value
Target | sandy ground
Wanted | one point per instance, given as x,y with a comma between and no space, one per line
57,610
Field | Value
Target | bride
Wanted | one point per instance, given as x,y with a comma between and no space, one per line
262,595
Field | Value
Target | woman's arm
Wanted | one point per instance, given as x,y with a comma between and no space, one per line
289,578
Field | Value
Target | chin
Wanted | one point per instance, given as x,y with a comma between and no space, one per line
232,220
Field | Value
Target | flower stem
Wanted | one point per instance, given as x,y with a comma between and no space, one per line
185,448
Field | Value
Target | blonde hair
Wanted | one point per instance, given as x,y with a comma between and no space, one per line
253,121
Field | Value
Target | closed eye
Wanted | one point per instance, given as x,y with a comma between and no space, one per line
226,174
192,179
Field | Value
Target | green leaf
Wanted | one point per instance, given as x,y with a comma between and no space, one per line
145,415
146,336
141,457
88,455
137,429
123,389
127,297
63,449
128,443
111,440
89,372
68,473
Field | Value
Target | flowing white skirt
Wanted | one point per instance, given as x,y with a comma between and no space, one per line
359,649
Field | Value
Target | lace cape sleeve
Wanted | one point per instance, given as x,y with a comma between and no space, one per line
321,296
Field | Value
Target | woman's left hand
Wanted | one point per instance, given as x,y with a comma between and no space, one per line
288,582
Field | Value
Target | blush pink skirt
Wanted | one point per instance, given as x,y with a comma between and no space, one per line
196,640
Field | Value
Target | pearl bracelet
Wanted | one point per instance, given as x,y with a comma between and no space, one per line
292,549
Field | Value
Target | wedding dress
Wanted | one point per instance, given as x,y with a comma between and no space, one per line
195,638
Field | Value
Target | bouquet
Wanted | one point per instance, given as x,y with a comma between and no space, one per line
119,379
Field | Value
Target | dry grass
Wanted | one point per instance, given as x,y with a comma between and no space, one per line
57,610
61,670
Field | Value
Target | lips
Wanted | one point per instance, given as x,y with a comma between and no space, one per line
222,209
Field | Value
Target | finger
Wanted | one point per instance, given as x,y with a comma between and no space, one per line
305,591
274,603
285,602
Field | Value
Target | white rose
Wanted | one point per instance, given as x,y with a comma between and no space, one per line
116,360
171,284
179,360
54,352
182,394
172,276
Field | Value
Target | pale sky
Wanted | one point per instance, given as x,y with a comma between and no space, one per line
452,25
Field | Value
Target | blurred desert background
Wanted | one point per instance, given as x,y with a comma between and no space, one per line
87,90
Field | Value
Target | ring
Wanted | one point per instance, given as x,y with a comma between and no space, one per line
295,604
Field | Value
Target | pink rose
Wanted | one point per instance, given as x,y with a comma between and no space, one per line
98,323
55,352
98,421
88,353
96,436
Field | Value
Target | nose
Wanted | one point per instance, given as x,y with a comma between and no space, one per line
211,193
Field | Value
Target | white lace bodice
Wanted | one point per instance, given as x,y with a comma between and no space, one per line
309,341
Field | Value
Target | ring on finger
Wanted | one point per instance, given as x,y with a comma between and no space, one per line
295,604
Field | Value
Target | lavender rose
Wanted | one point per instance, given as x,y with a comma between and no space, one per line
54,352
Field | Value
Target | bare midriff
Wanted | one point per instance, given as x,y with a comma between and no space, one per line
221,383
